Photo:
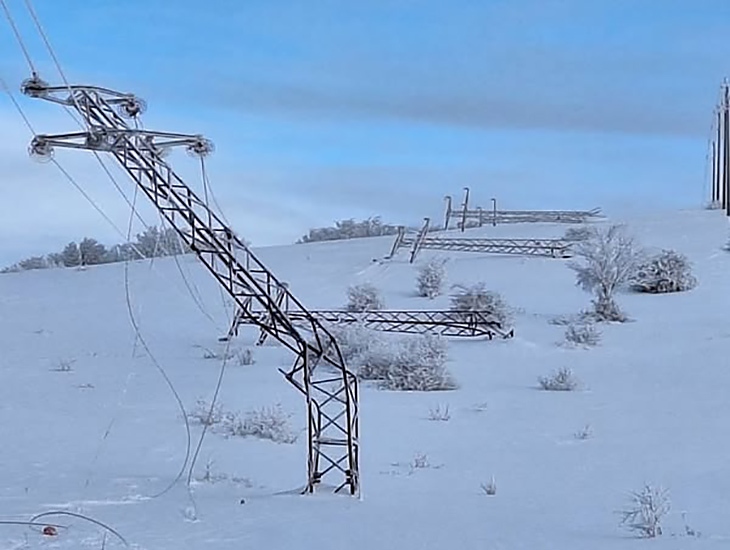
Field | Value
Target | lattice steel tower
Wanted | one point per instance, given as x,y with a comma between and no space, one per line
319,371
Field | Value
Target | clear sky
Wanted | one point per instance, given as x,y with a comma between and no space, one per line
324,109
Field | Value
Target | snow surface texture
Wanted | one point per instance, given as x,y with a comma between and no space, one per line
89,425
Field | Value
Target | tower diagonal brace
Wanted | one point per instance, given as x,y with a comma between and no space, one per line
332,400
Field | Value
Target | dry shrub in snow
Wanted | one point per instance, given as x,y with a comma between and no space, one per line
431,278
583,334
203,414
408,363
646,510
609,259
560,380
477,298
490,488
245,357
668,271
439,413
265,423
364,297
354,340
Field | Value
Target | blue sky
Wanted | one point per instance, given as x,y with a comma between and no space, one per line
328,109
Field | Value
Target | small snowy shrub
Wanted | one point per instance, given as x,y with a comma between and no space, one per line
64,365
439,414
245,357
586,432
477,298
364,297
415,363
646,510
668,271
203,414
431,277
578,233
609,258
490,488
420,461
583,334
561,380
265,423
224,355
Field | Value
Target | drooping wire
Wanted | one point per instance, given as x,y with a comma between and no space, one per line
101,524
19,38
135,326
211,409
158,366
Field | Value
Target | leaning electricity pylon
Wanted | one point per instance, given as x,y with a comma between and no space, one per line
332,398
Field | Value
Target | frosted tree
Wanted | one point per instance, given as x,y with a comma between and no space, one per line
71,256
92,252
431,277
608,261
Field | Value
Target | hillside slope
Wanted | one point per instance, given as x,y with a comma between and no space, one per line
103,435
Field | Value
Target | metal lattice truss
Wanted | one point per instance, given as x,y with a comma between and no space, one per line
468,324
331,393
480,216
553,248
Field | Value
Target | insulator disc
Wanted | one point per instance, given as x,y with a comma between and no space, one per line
202,147
132,107
41,151
34,87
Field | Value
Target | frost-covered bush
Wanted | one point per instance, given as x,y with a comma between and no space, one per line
609,259
203,414
668,271
245,357
581,233
409,363
646,510
560,380
354,340
583,334
477,298
265,423
364,297
431,278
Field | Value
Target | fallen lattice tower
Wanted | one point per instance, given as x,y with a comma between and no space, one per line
464,324
479,216
553,248
331,393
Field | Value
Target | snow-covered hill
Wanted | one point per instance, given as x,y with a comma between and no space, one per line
88,424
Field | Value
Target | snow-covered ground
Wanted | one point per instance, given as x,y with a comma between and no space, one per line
106,436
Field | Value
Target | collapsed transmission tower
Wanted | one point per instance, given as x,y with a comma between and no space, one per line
319,371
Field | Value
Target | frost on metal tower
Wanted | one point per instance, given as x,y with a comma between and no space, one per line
319,371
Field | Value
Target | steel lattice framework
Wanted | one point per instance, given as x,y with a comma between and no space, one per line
467,324
480,216
319,371
553,248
